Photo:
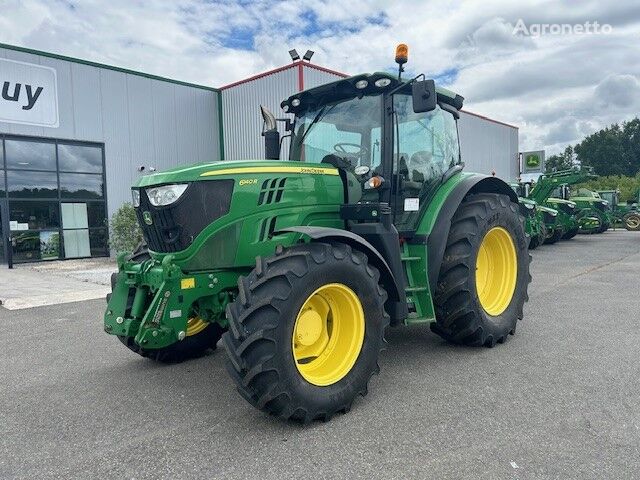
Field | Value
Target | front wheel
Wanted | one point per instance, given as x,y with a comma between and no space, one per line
306,330
484,275
554,237
200,337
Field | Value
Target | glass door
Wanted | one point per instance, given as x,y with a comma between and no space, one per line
75,233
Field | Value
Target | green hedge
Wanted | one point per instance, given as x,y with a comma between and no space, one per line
125,232
628,186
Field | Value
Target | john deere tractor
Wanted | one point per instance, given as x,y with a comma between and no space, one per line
533,219
300,265
591,206
621,214
552,190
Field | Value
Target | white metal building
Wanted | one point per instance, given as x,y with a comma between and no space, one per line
74,135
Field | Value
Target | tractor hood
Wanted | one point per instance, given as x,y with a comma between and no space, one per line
559,201
231,169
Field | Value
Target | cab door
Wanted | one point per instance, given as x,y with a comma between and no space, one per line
425,148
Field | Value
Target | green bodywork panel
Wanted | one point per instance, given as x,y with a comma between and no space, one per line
153,300
149,301
568,221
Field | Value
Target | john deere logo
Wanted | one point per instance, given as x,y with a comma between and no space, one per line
533,161
147,218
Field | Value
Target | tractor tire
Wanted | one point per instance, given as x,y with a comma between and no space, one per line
193,346
556,236
534,242
484,275
570,234
270,326
632,221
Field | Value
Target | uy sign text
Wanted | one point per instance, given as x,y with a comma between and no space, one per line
28,94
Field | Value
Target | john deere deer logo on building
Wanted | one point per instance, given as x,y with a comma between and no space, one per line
533,160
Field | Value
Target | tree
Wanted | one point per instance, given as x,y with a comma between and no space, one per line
125,231
614,150
561,161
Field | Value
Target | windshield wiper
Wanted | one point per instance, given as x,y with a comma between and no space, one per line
321,113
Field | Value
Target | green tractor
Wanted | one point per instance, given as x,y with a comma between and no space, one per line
556,184
593,211
553,229
625,215
301,265
567,216
533,221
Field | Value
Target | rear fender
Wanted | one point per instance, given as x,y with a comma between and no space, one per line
437,238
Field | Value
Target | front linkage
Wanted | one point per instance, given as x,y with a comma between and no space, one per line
155,304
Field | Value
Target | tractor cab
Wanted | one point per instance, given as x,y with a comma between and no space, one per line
394,142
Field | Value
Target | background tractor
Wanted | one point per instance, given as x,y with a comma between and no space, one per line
591,206
552,190
533,219
621,214
302,264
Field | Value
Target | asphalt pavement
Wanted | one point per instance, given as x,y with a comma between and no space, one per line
560,399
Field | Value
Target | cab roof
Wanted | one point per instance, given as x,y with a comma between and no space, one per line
345,88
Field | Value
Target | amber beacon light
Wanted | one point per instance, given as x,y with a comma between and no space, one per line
402,54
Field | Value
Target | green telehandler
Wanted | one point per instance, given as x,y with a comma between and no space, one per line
300,265
555,184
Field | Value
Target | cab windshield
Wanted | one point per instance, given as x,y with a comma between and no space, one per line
344,128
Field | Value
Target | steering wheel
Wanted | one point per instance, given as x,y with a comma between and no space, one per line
361,150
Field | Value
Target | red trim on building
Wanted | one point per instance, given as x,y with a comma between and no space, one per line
324,69
300,77
260,75
300,64
489,119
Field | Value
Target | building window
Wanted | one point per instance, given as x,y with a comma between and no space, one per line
34,215
55,197
79,158
81,185
30,155
26,184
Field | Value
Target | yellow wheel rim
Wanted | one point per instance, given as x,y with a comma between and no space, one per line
195,325
496,271
328,334
633,222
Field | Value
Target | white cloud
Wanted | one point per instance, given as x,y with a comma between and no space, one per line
556,88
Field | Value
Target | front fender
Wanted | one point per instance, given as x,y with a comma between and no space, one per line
387,278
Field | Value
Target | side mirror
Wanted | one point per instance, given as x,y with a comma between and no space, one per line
424,96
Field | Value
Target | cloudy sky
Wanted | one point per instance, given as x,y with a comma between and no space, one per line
556,87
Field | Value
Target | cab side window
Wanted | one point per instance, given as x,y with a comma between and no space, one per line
426,147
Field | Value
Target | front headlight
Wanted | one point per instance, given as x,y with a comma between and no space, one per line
530,206
135,196
166,194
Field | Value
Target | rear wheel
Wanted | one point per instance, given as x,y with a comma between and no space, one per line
484,276
306,330
632,221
